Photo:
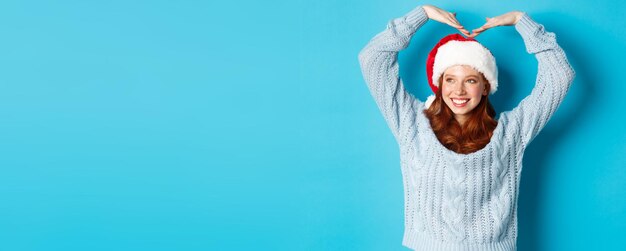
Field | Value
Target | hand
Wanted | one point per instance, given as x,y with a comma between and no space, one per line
507,19
445,17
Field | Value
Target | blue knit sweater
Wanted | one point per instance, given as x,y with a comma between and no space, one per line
458,201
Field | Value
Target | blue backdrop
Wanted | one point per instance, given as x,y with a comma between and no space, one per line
246,125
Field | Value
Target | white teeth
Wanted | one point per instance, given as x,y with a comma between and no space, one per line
460,101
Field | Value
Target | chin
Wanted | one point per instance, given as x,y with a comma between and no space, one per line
460,113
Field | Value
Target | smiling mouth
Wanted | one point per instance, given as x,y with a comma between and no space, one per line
460,102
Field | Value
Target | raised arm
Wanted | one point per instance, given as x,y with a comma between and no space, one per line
379,65
554,78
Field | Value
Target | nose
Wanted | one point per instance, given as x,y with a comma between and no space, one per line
460,89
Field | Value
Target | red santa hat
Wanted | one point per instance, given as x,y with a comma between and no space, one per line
455,49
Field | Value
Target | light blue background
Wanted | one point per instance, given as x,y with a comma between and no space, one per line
246,125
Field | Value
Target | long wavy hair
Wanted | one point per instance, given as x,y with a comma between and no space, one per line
472,136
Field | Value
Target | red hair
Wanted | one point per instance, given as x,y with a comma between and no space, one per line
472,136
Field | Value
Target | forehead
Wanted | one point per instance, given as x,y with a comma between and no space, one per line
461,70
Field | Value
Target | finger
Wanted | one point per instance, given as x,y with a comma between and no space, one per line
456,26
480,29
452,16
454,23
476,33
484,27
492,22
452,19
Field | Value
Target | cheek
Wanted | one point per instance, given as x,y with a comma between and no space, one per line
444,90
476,91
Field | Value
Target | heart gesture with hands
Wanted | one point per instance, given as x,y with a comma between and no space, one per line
449,18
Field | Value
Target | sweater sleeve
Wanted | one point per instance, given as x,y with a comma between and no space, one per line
379,66
554,78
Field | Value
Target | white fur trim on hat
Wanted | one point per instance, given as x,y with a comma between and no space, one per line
429,101
469,53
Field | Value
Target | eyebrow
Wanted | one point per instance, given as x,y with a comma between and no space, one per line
476,76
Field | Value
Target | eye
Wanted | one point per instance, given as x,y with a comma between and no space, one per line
473,81
449,80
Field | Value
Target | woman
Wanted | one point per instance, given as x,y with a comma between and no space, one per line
461,167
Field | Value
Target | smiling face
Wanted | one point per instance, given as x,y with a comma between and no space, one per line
462,88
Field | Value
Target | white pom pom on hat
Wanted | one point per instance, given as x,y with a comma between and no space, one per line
455,49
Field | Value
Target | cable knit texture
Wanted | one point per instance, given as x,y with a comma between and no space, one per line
461,201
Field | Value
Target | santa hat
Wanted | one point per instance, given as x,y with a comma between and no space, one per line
455,49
